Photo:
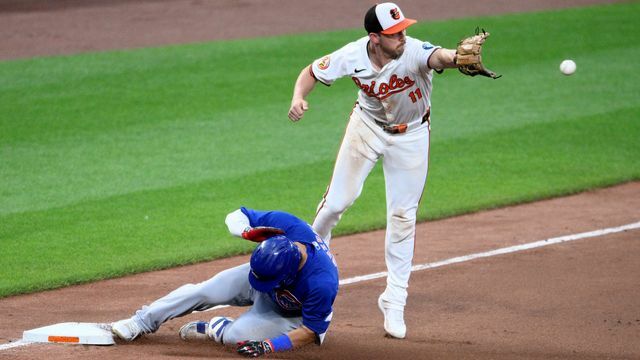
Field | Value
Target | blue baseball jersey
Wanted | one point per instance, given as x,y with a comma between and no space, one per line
316,285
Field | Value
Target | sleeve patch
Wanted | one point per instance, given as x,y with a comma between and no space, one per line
323,64
427,45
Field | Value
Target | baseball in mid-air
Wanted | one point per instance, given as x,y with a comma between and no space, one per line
568,67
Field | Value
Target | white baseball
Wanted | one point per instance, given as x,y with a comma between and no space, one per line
568,67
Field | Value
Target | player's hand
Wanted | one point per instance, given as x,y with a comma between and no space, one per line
254,348
298,107
260,233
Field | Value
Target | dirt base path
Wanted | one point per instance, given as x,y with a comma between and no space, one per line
575,300
53,27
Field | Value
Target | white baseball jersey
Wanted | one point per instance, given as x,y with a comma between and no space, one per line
397,94
388,123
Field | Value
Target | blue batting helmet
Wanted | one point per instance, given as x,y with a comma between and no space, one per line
273,262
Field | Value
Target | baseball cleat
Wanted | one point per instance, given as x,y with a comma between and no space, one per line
202,330
393,321
127,329
194,330
217,326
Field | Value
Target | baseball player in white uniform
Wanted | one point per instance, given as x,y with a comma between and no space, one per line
390,121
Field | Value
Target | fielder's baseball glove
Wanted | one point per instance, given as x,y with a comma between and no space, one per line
469,58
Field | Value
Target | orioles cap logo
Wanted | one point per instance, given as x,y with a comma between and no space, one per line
395,14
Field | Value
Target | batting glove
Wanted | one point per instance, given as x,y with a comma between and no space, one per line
260,233
254,348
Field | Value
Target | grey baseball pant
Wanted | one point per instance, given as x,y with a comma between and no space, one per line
229,287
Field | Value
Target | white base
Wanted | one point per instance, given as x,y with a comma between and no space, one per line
71,333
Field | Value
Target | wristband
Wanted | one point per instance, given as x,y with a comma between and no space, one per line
281,343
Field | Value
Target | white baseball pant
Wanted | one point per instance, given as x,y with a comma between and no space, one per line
405,159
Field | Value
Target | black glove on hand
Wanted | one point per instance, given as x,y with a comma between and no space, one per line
254,348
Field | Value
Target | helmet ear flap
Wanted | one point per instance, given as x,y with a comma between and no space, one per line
293,268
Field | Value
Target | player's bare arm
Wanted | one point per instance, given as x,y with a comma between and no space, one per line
443,59
293,339
303,87
302,336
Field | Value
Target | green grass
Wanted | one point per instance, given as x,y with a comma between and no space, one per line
127,161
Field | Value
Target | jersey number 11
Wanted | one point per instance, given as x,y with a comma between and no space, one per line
415,95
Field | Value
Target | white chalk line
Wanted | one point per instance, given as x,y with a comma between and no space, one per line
455,260
501,251
15,344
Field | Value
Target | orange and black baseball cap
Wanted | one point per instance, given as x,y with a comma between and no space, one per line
386,18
